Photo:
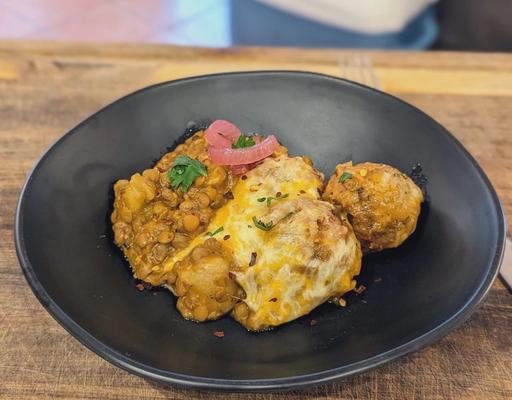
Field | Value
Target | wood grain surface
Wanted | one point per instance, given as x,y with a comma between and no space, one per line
46,88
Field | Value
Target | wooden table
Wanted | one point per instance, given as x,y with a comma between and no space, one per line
47,88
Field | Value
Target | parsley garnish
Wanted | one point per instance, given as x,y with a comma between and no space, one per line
184,172
345,176
243,141
218,230
258,223
269,199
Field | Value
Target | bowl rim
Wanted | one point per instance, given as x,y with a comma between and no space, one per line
256,385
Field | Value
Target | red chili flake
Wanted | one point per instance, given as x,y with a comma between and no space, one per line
219,334
377,280
161,169
303,191
278,194
232,275
360,289
254,256
226,237
273,299
313,322
244,177
140,287
229,195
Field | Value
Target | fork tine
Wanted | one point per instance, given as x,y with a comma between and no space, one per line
365,72
342,69
359,68
373,78
348,70
355,68
343,63
345,68
365,77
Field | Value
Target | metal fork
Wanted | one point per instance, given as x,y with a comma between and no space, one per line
359,68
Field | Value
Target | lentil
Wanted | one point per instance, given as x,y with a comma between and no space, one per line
150,221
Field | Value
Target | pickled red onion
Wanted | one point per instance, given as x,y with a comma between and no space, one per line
221,133
248,155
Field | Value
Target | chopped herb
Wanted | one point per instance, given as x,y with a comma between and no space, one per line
218,230
243,141
184,172
269,199
345,176
258,223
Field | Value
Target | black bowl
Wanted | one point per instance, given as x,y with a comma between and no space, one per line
415,294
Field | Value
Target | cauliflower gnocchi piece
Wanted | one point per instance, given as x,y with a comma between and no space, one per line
205,287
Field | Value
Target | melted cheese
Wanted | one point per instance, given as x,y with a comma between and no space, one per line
303,264
288,175
307,257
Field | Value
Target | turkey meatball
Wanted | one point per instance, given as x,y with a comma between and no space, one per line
382,203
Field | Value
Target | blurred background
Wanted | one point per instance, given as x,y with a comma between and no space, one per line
480,25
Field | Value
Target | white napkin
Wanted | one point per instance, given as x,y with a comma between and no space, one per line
363,16
506,265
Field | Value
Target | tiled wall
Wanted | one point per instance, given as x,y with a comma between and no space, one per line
185,22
